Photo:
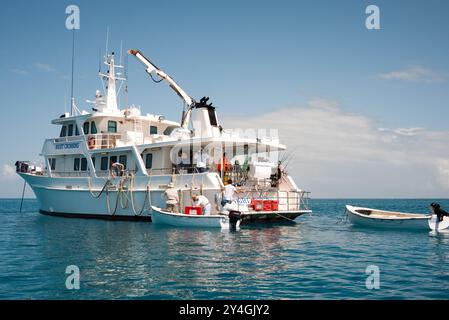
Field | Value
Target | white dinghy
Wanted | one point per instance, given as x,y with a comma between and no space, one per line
387,219
160,216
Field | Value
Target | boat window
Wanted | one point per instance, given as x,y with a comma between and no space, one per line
149,161
93,128
153,130
63,131
70,133
168,130
93,161
83,164
104,163
76,164
86,127
112,126
212,117
77,133
112,160
123,159
52,162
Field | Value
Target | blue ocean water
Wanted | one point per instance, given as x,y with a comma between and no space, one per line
321,257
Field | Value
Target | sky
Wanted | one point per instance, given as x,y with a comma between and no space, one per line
366,111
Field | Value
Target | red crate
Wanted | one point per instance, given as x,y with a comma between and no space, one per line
257,205
193,210
266,205
274,205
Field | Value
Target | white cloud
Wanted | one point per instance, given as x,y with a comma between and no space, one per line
45,67
403,131
8,173
20,71
408,131
414,74
340,154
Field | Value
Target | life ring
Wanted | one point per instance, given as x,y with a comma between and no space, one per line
91,142
117,169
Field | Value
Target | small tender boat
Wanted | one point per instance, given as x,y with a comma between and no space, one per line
160,216
387,219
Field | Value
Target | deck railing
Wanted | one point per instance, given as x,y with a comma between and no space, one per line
102,140
288,200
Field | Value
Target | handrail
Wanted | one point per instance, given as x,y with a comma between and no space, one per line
300,198
67,139
102,140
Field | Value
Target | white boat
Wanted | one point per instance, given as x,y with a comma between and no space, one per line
160,216
80,175
387,219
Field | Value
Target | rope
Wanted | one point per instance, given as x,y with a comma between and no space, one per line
102,190
147,196
157,81
280,215
124,194
116,201
23,194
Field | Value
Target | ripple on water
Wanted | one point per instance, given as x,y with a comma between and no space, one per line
320,257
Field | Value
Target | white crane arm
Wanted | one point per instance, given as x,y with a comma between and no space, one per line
151,68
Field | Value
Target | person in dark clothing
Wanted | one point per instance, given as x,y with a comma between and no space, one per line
436,209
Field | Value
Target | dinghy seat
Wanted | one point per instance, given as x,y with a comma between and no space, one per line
365,212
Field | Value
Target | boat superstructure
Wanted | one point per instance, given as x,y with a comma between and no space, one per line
116,163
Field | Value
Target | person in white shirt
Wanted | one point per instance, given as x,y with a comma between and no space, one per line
203,202
201,161
171,198
229,191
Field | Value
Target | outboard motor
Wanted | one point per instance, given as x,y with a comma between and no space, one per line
234,218
439,211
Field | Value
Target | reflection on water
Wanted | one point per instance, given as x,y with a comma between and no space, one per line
315,258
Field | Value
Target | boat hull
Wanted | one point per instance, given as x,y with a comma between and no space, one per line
142,218
184,220
80,201
82,198
418,223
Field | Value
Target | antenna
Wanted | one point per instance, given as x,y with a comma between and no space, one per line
126,81
99,60
107,41
125,71
72,99
121,49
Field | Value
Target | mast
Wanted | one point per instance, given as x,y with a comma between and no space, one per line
111,98
72,98
110,101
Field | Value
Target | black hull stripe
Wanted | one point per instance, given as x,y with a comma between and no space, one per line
96,216
246,218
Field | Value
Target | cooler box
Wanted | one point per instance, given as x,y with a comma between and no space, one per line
257,205
266,205
193,210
